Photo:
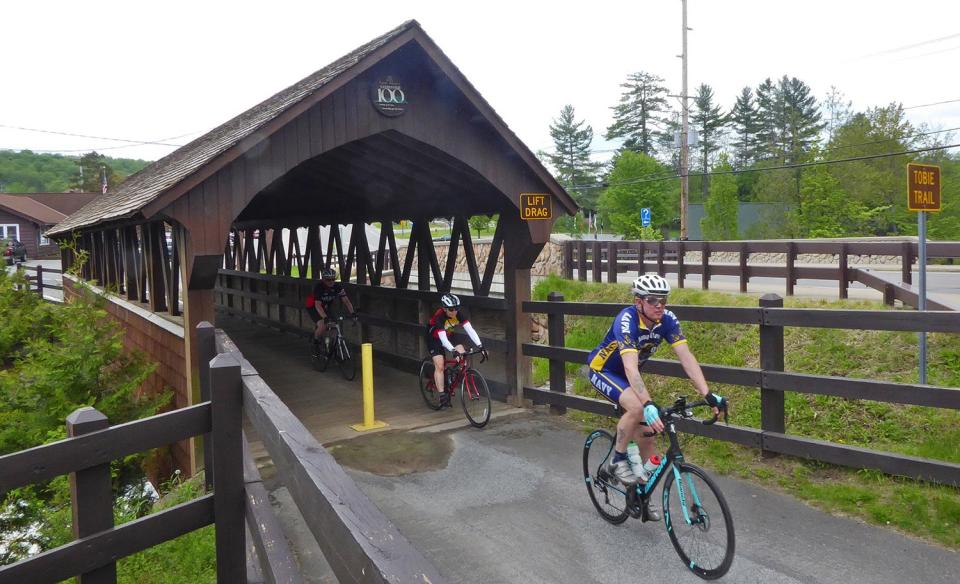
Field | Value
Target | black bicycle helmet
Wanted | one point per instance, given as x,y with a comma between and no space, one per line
328,274
450,301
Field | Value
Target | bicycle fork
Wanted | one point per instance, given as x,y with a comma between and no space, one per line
701,520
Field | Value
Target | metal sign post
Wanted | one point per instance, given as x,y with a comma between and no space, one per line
923,194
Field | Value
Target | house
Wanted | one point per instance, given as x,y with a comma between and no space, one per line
26,216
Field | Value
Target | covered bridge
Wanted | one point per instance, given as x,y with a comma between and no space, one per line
392,131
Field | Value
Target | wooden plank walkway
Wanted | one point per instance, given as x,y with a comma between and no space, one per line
325,402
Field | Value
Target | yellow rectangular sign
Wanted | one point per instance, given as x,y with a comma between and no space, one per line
535,206
923,187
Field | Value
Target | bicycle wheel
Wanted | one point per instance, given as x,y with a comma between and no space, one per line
699,522
319,356
348,365
610,500
428,385
475,398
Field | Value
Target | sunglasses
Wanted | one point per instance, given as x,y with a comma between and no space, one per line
656,300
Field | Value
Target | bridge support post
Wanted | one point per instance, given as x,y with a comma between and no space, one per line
226,391
772,418
558,369
91,494
207,350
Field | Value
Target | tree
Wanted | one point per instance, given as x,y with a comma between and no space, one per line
745,123
769,121
720,209
642,110
839,111
709,122
571,156
802,122
479,222
93,167
631,190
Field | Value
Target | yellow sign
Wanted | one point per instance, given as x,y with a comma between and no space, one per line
923,187
535,206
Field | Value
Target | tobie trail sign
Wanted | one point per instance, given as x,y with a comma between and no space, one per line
923,187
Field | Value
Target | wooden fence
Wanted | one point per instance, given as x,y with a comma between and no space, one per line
358,541
36,281
593,258
770,378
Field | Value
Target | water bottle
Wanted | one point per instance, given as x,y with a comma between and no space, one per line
633,455
647,468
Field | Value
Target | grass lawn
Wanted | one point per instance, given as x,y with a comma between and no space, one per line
926,510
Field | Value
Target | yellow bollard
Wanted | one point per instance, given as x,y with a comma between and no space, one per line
366,360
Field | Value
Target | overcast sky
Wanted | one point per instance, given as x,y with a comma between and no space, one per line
173,70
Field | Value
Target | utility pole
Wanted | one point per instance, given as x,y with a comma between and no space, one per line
684,129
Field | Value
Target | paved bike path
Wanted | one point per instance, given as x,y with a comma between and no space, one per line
511,507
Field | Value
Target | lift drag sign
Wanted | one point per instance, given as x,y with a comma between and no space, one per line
535,206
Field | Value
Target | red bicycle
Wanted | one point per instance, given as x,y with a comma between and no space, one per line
474,393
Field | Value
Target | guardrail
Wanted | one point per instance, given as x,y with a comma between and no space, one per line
770,378
596,258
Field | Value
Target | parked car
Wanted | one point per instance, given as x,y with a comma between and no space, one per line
13,251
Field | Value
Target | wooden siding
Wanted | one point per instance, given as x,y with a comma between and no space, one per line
29,236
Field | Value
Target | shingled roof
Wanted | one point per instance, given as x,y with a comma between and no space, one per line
30,209
148,184
151,183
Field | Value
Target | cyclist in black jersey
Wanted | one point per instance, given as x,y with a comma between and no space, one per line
320,302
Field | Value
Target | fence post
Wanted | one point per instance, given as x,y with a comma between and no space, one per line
906,270
582,260
888,294
568,259
641,259
206,350
40,281
681,250
558,368
660,253
228,491
791,269
844,271
772,417
705,266
91,494
613,266
595,256
744,256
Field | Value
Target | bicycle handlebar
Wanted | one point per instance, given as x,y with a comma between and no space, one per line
682,409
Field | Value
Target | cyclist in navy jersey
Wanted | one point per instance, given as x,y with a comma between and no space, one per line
615,365
440,326
320,302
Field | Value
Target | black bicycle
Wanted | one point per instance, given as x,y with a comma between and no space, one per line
695,513
334,348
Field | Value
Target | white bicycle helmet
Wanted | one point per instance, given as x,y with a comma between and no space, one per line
650,284
450,301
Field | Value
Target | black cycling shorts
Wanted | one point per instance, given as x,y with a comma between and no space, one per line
315,315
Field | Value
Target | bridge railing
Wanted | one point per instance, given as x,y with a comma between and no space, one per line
770,378
86,456
356,538
598,258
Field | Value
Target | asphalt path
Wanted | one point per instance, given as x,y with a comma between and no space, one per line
511,507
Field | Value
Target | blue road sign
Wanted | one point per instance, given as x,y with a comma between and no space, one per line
645,217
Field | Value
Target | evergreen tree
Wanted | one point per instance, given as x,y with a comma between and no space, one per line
802,121
93,167
720,208
641,113
745,123
770,121
571,156
709,121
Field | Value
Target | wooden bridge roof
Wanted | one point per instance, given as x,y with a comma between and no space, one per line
161,183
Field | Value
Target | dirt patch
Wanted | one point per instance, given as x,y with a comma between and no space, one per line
394,454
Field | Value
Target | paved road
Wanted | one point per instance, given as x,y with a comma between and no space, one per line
511,507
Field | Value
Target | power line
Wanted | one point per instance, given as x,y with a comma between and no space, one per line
162,142
913,46
657,178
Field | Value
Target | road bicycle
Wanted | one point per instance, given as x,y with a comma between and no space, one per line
473,390
334,348
695,512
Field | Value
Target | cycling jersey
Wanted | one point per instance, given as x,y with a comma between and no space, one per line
441,322
628,334
325,295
